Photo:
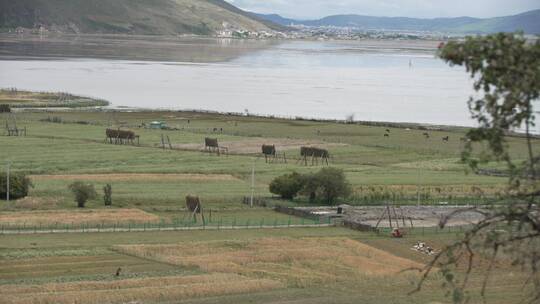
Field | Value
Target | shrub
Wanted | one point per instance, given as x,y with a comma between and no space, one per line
83,192
287,186
328,184
107,195
4,108
19,184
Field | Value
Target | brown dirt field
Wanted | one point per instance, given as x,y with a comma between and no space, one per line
136,176
92,216
253,145
147,290
298,262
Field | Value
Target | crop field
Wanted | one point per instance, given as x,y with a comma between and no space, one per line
146,289
298,262
84,217
272,266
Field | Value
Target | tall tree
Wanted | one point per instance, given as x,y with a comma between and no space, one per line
505,68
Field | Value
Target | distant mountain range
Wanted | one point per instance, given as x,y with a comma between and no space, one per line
208,17
156,17
528,22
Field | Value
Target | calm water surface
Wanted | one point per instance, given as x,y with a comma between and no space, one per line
388,82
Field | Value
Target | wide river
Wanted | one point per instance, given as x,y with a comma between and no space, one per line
374,81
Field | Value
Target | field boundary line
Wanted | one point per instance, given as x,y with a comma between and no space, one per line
109,230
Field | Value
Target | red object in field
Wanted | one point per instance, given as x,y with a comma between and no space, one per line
397,233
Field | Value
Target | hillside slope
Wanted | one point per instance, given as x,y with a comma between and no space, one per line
156,17
528,22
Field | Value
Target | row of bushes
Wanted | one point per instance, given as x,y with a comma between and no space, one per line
20,184
84,192
326,185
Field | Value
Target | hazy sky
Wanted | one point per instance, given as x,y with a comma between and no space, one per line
314,9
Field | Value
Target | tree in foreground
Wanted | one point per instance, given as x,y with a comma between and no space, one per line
506,73
83,192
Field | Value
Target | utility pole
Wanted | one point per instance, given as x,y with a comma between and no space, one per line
418,188
252,183
7,184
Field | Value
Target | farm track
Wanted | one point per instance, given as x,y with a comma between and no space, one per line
138,229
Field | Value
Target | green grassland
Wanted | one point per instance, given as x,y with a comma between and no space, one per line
77,146
72,144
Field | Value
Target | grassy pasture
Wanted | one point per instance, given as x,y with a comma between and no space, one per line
77,147
307,265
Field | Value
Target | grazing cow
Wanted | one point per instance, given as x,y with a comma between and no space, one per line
386,135
426,134
118,271
387,130
447,138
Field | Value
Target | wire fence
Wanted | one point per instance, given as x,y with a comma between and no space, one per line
221,224
173,225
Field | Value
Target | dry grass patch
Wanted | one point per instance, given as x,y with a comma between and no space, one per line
62,217
299,262
136,177
146,290
34,203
